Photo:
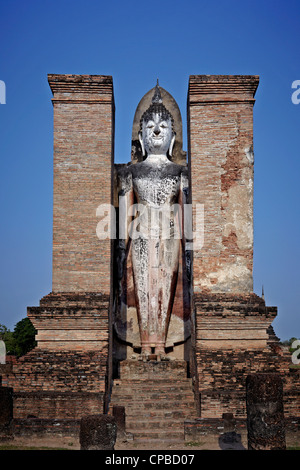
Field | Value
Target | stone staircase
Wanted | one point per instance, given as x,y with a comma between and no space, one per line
158,398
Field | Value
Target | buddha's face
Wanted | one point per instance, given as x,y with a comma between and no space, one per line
157,135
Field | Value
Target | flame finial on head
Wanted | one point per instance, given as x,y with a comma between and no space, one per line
157,96
156,106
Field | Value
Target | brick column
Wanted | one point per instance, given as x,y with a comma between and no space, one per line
83,165
220,112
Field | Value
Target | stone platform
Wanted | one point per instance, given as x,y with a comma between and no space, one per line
66,375
234,338
158,397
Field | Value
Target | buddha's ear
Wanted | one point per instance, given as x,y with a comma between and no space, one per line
172,144
142,143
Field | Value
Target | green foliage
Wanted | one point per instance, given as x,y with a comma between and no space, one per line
3,330
24,336
288,342
21,340
9,341
291,343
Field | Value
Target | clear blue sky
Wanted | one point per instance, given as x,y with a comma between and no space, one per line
136,42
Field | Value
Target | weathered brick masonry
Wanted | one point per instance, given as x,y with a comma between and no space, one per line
68,374
232,325
83,107
223,365
220,115
73,321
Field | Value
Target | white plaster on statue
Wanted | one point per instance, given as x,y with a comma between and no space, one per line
155,185
178,331
2,352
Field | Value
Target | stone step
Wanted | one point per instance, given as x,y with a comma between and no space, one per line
149,405
184,387
158,398
150,401
162,413
135,413
135,391
159,425
146,435
179,398
147,402
176,399
135,394
132,369
155,383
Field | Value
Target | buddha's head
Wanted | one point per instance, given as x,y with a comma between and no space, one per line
156,134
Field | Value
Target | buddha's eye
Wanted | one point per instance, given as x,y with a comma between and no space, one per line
150,125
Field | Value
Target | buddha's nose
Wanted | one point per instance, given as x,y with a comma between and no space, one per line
156,130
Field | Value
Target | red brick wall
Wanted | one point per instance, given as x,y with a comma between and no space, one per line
221,168
83,165
229,345
59,384
59,371
56,405
68,374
